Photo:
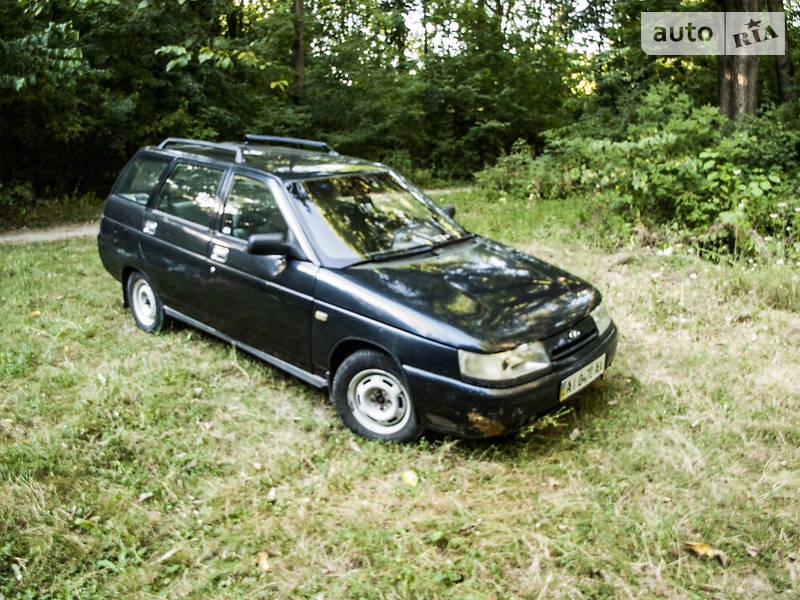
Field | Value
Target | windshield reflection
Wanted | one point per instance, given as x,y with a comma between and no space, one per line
367,216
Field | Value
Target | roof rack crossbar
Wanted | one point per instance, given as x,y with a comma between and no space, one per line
224,147
250,137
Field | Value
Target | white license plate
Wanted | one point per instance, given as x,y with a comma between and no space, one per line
579,380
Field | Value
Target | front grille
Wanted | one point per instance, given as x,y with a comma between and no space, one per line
571,339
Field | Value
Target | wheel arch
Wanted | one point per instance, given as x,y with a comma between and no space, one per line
348,346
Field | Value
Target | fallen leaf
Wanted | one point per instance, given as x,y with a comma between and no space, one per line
751,551
272,494
144,496
574,435
263,561
353,446
101,378
410,478
35,313
705,551
198,391
258,466
613,402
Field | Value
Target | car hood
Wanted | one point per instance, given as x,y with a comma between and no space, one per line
476,294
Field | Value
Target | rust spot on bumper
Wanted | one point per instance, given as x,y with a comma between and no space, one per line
486,426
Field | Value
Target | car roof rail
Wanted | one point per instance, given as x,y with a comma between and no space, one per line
203,144
251,137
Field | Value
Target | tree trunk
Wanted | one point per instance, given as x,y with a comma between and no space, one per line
737,80
737,76
783,64
235,22
424,28
299,53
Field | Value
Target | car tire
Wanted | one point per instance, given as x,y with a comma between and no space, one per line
372,398
146,306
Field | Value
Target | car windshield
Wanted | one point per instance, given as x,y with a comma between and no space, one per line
370,216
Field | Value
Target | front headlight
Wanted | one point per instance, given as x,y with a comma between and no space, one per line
522,360
602,320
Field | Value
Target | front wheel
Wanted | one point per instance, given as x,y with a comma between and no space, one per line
372,399
146,306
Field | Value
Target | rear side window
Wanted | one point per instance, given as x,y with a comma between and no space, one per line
190,192
140,177
251,208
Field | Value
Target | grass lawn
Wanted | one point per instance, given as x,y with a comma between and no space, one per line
143,466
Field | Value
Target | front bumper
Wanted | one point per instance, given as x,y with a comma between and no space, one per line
453,406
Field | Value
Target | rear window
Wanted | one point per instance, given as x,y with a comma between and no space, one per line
140,177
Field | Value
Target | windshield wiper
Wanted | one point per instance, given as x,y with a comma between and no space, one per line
391,254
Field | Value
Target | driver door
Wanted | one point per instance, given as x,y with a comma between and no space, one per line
262,301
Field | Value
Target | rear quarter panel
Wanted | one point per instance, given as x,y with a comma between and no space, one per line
118,240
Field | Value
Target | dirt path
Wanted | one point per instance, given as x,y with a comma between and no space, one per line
65,232
49,234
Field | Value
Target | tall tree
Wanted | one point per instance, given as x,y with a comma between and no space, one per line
299,52
737,76
784,69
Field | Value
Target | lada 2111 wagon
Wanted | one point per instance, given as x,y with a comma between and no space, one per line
342,273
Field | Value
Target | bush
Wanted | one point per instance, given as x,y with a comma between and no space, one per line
16,196
682,167
21,207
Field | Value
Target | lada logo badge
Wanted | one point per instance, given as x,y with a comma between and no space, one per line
574,334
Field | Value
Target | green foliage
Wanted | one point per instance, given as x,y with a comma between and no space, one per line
679,166
21,207
87,82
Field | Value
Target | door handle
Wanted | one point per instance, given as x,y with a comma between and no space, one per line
219,253
150,227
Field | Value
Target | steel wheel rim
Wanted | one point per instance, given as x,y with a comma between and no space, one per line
379,401
143,300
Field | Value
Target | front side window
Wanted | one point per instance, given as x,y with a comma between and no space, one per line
140,177
353,218
190,192
251,208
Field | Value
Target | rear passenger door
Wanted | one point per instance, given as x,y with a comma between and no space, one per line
124,212
263,301
177,234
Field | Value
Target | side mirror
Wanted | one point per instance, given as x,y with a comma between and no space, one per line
268,244
449,210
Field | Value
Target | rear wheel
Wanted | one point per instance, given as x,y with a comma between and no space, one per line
146,306
372,399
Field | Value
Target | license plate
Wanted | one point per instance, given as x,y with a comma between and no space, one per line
579,380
